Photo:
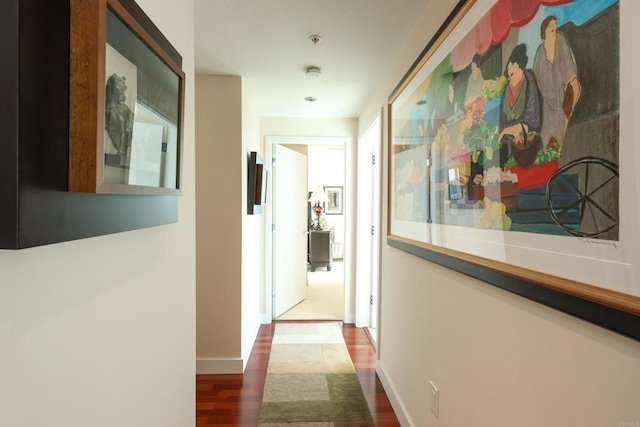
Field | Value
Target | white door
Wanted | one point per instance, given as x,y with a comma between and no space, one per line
376,207
290,229
368,229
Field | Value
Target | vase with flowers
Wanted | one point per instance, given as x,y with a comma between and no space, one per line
318,220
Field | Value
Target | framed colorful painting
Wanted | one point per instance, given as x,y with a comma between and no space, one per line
512,148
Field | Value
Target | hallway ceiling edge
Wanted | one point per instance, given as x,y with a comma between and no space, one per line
267,42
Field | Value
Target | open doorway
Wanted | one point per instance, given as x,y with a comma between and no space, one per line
325,249
326,287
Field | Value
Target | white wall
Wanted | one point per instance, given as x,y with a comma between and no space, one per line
219,223
253,229
326,166
100,331
498,359
230,243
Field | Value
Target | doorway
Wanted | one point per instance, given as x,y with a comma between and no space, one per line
368,228
324,155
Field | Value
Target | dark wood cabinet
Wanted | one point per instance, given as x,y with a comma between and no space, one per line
320,254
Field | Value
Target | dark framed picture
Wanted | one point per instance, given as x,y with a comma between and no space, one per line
126,102
257,176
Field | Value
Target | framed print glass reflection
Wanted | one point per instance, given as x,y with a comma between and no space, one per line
126,126
511,146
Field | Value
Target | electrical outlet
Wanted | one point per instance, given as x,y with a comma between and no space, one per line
434,398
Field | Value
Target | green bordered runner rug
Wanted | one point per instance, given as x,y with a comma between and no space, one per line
311,381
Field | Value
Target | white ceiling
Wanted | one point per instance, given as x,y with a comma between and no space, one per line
267,43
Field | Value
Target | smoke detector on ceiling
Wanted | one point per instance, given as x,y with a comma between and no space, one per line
313,72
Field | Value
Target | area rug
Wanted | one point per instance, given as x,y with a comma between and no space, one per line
311,381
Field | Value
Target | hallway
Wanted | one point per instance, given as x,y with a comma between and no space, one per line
235,400
325,296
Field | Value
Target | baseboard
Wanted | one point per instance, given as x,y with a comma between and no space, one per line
349,318
392,394
248,347
372,339
219,366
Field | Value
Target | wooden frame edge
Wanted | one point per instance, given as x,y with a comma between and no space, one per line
86,67
615,320
613,299
87,72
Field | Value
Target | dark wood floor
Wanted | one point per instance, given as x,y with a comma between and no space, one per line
234,400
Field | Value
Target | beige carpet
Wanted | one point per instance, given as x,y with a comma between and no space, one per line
311,380
325,296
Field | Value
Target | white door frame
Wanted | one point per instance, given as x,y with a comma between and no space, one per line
349,210
368,250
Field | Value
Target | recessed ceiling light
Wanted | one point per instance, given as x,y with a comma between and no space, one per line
310,99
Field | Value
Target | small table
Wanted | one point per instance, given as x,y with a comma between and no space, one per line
320,254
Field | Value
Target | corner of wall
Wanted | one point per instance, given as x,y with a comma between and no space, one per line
394,397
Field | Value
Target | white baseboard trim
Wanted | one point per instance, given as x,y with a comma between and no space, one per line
350,318
248,347
219,366
392,394
267,320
